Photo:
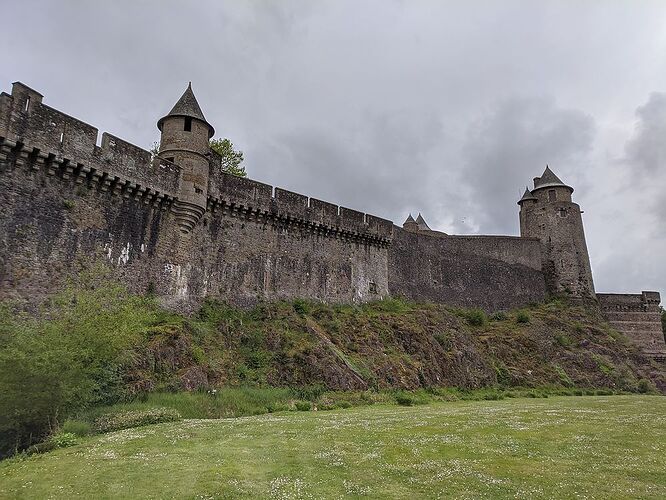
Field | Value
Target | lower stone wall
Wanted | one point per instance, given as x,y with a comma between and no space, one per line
638,316
52,228
54,225
242,259
491,272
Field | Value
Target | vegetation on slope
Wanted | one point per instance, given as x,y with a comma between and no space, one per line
94,346
596,447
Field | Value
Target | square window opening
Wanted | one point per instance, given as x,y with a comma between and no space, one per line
188,124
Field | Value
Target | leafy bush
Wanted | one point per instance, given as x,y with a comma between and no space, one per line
499,316
309,392
64,440
404,399
303,405
563,340
563,376
275,407
126,420
301,306
522,317
476,317
644,386
69,357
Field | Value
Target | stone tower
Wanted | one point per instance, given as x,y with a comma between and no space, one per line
184,142
548,213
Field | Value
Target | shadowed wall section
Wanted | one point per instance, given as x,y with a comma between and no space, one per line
491,272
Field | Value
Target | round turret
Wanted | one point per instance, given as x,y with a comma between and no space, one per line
548,213
184,142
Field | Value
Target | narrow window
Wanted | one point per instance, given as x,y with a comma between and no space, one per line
552,196
372,287
27,104
62,137
562,212
188,124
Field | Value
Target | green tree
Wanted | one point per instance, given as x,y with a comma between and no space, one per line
70,357
231,159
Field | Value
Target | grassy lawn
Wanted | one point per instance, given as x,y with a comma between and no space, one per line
564,447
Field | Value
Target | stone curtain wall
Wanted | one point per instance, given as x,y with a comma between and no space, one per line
638,316
52,228
490,272
68,203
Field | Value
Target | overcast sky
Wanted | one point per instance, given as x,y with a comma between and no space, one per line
390,107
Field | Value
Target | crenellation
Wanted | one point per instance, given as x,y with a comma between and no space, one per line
291,205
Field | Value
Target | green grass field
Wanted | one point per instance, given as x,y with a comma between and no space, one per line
563,447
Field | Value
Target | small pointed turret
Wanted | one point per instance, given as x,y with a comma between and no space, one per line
422,223
527,196
188,107
410,224
184,142
549,179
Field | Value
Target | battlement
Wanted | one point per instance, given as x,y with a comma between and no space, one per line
257,201
644,301
36,134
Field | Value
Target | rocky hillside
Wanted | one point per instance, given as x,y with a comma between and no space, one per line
389,344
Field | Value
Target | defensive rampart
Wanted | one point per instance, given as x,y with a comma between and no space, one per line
491,272
69,202
638,316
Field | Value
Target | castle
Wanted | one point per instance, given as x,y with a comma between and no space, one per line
178,225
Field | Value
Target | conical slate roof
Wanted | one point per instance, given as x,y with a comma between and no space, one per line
188,106
549,179
527,196
422,224
409,219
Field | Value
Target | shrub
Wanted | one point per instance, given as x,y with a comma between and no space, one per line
301,306
63,440
303,405
76,427
125,420
275,407
564,377
404,399
499,316
522,317
443,339
644,386
68,358
563,340
309,392
343,404
476,317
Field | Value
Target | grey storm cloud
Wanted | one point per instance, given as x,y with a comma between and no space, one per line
512,144
389,106
646,157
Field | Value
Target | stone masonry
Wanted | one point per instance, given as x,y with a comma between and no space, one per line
176,224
